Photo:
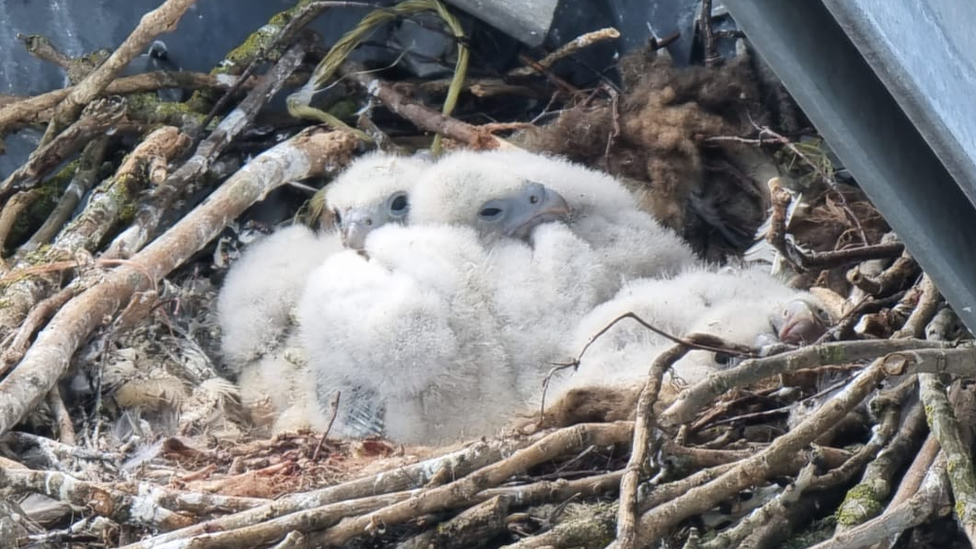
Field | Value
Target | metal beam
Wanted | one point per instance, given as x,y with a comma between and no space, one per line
526,22
864,124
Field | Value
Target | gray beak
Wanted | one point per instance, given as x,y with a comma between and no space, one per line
355,224
354,231
535,205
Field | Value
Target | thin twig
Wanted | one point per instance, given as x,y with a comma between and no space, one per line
325,434
420,115
712,57
640,448
570,48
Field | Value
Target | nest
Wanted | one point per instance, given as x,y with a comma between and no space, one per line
117,427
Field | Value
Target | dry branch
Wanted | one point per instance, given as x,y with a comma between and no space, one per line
118,506
478,87
83,180
772,515
601,527
579,43
162,19
310,519
903,269
587,531
184,181
86,232
866,499
932,494
657,522
37,109
95,120
453,465
17,204
56,454
199,504
472,528
627,514
42,48
65,430
959,465
702,458
867,453
308,154
457,493
695,398
923,313
421,116
263,45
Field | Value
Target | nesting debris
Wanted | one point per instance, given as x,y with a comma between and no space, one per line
145,444
652,136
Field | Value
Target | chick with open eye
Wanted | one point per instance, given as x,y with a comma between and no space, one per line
256,304
372,192
412,326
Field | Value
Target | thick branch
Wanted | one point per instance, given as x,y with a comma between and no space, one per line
307,155
84,179
627,514
98,118
453,465
105,502
959,465
37,109
568,440
420,115
656,523
697,397
162,19
147,217
88,230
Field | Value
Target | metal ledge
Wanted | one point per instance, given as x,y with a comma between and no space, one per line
851,107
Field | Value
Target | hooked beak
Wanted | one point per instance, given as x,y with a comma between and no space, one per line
355,227
354,235
542,205
802,324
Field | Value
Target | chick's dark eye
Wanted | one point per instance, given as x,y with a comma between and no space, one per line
399,204
722,359
534,199
338,217
489,213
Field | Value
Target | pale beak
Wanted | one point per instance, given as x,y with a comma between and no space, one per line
354,234
802,325
536,205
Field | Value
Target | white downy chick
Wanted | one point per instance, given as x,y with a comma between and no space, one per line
541,276
627,241
263,285
747,306
407,338
273,383
255,304
465,190
373,191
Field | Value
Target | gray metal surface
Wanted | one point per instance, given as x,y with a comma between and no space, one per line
924,53
527,22
872,134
